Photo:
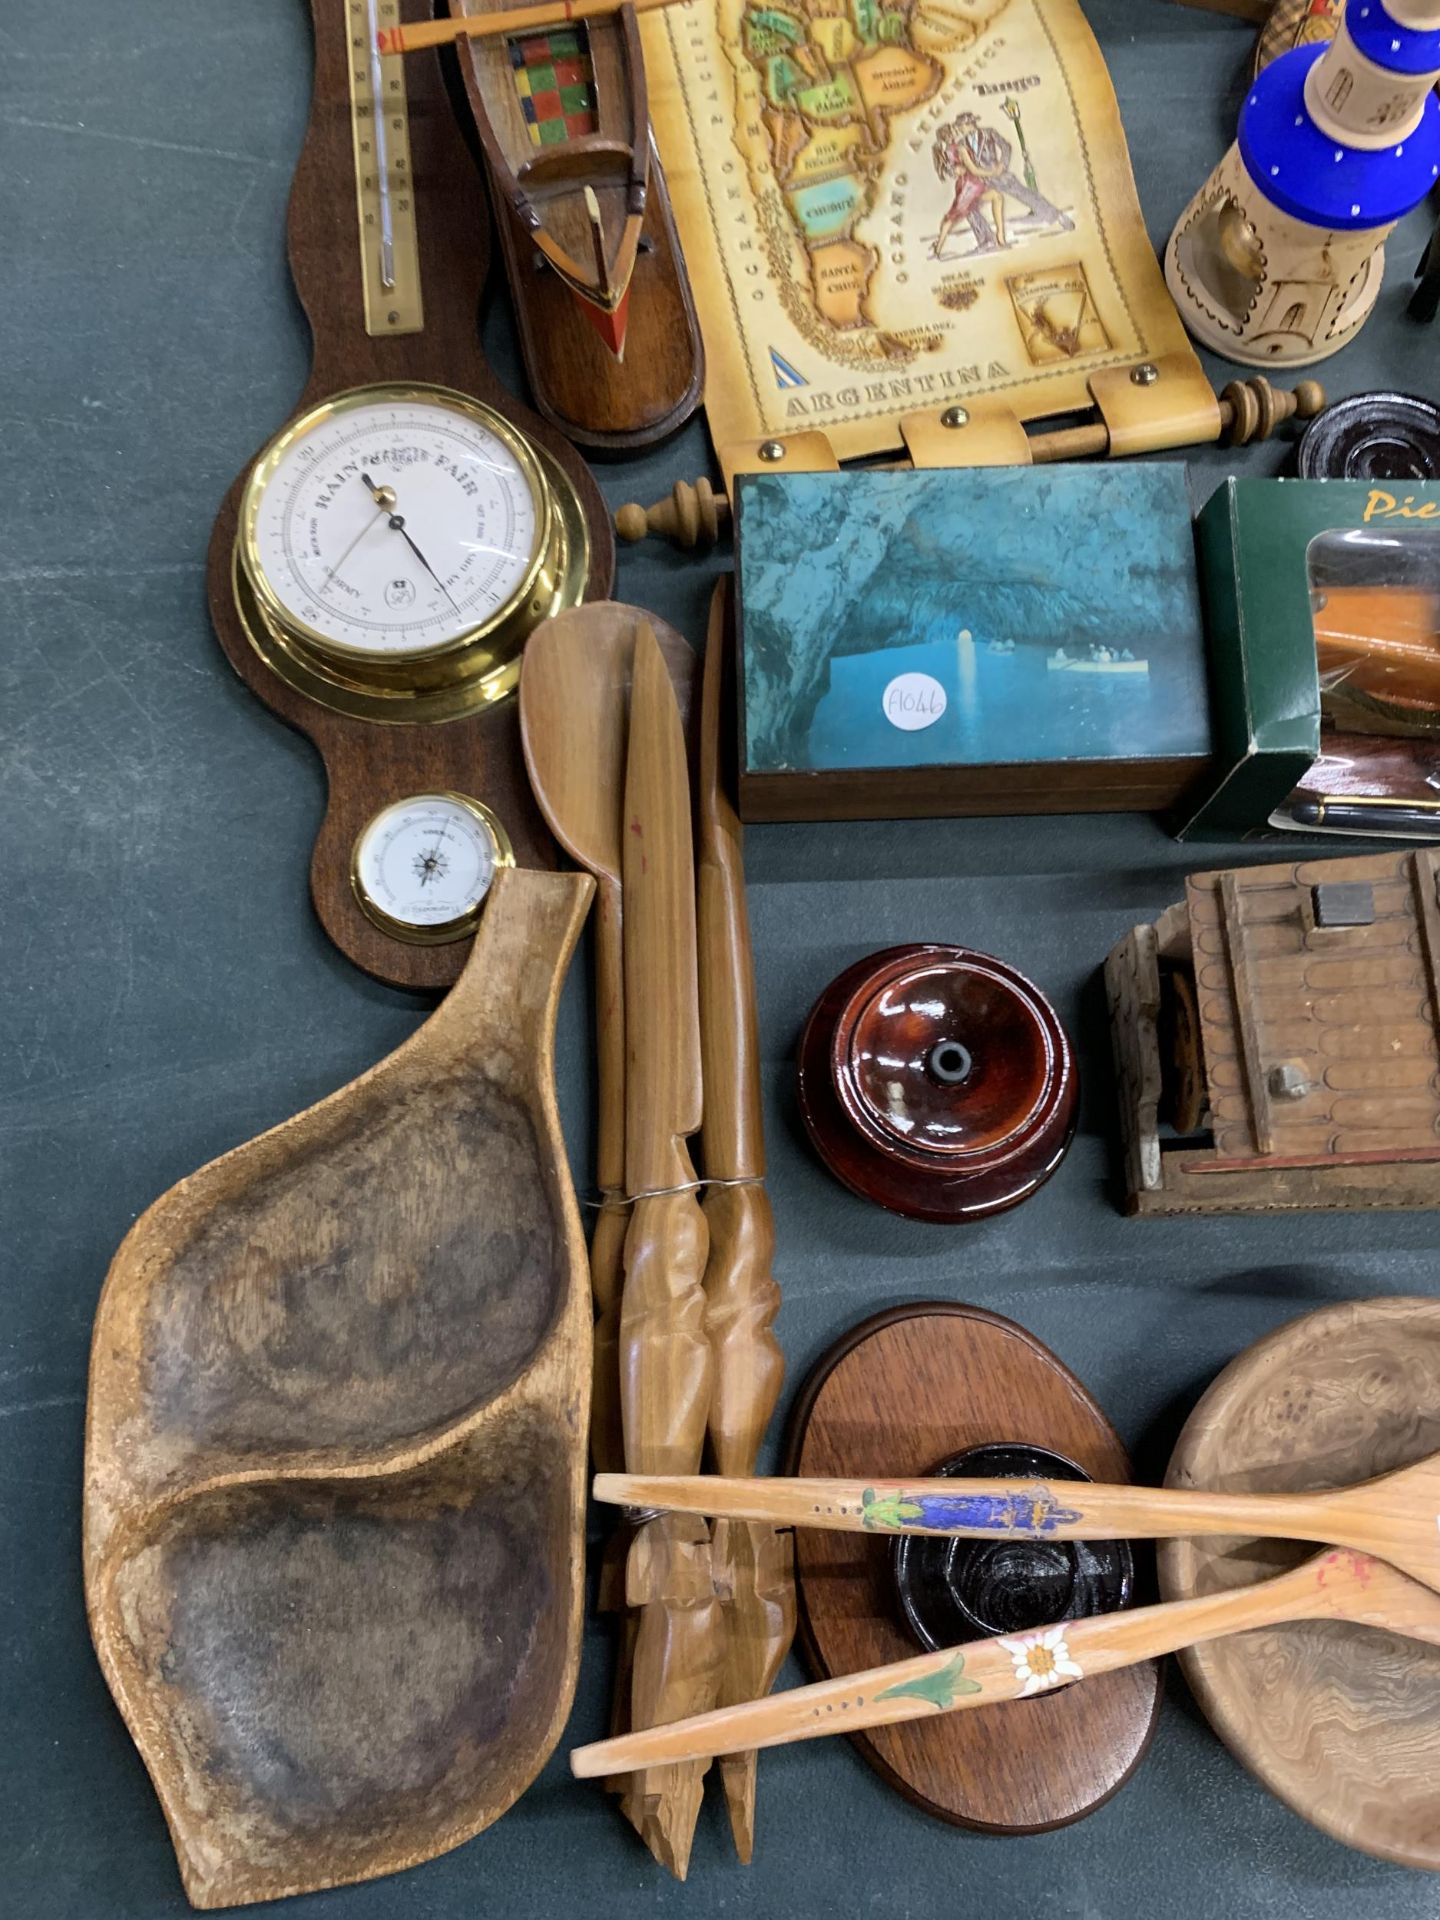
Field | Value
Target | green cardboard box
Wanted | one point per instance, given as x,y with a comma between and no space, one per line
1254,541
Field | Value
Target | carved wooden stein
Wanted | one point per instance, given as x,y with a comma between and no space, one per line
1280,255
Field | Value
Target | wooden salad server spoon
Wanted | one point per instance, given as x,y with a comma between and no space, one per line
1395,1517
753,1563
575,685
1337,1585
574,724
667,1368
334,1453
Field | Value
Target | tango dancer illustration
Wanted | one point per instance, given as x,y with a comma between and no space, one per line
978,160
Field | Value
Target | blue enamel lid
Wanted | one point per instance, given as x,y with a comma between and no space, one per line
1384,40
1310,176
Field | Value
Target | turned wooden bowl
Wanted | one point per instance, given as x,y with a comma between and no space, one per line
1341,1722
896,1396
937,1082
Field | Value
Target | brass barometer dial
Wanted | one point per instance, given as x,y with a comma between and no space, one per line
396,547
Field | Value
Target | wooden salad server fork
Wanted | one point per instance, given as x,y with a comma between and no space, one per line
1395,1517
753,1563
1337,1585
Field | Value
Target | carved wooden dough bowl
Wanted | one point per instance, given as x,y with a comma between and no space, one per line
334,1475
1340,1722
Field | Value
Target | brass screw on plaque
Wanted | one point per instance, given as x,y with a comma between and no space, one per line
1146,375
772,450
955,417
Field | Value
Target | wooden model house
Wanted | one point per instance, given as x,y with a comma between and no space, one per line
1277,1039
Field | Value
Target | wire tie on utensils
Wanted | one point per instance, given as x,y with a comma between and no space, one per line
612,1197
642,1516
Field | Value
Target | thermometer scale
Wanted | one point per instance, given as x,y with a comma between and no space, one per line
384,187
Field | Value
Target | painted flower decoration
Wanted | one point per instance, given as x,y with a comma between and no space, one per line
1042,1660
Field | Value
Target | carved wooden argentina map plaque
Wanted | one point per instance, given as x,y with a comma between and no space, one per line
889,205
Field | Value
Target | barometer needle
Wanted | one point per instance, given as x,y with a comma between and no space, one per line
431,862
398,523
384,498
350,549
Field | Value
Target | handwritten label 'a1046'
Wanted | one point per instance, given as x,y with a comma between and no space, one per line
913,701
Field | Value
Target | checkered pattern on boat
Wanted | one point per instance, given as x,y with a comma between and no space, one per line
556,84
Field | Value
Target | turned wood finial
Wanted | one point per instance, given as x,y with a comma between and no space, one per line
1252,409
691,516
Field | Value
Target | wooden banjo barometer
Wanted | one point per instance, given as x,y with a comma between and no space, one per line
375,571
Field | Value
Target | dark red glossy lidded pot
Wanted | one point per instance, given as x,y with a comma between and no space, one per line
937,1082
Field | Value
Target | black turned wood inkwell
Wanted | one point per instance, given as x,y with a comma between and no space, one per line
955,1590
1372,436
937,1082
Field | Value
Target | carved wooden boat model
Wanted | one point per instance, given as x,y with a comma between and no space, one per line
335,1450
562,114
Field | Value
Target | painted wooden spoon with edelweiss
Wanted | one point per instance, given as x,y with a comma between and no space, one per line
1336,1585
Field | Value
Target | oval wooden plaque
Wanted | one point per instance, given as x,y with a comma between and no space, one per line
1341,1722
896,1395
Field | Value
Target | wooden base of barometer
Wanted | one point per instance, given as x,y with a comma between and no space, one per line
367,765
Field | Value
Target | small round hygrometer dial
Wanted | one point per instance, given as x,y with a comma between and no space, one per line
422,867
399,543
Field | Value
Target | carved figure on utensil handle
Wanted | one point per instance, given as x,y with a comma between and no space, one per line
754,1569
666,1371
741,1302
754,1565
666,1365
1331,1586
676,1660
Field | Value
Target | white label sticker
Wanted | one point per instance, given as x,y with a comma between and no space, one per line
913,701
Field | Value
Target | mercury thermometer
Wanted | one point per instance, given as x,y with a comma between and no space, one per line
384,188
